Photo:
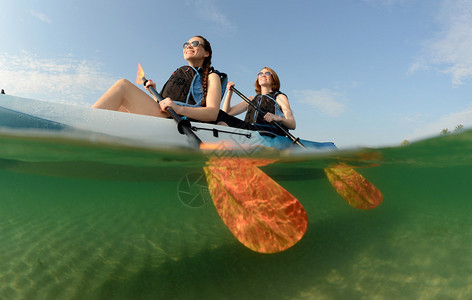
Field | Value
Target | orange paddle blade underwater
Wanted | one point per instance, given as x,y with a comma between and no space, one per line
260,213
353,187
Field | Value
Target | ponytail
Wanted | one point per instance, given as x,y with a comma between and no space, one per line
206,68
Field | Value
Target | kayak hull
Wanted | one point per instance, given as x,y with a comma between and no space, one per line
24,114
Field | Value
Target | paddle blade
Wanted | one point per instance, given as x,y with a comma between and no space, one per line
353,187
260,213
139,75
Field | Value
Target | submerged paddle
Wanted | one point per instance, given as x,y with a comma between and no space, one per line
353,187
349,184
260,213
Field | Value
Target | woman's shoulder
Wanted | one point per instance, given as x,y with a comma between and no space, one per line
217,75
276,93
220,74
279,93
280,96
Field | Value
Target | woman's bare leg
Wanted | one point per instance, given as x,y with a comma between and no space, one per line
125,96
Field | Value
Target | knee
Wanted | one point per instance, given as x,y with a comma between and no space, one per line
123,83
123,86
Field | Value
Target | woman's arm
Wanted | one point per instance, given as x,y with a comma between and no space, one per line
229,93
209,113
289,120
238,108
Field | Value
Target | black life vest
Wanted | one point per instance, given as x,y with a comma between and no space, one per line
185,88
267,103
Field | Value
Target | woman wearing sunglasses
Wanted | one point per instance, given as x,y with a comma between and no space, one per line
268,98
193,91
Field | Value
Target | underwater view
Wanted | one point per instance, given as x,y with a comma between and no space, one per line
90,220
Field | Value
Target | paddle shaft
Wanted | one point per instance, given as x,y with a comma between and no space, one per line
183,125
294,139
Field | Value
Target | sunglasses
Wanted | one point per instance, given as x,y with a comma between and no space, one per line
265,73
194,44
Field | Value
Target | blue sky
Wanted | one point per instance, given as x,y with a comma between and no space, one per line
357,72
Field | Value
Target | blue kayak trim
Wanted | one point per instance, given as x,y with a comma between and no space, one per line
283,142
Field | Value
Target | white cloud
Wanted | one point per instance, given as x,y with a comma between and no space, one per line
60,79
329,102
209,11
449,121
450,51
40,16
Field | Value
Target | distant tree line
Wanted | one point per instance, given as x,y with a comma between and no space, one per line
457,129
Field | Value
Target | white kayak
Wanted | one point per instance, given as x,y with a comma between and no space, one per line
28,115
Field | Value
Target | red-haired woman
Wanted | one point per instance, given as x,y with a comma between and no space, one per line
193,91
268,98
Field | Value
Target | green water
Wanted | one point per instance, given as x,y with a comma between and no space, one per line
84,220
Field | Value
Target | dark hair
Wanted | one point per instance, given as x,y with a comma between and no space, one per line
206,67
275,81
